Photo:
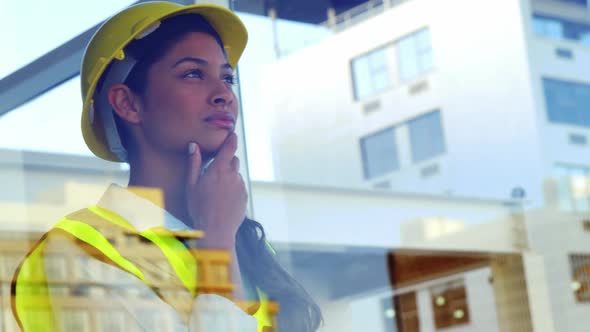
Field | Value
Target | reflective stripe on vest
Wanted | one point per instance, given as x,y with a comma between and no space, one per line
31,278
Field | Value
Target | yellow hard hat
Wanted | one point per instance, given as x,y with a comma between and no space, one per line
107,46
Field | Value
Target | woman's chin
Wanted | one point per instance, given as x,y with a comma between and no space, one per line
209,151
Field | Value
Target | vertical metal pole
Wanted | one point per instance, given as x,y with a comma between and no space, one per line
331,17
240,130
272,13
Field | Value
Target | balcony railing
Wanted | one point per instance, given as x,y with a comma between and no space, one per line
358,14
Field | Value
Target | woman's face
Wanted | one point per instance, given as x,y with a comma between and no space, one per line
189,97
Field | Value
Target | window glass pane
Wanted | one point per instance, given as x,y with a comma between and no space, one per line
370,73
580,272
559,28
567,102
379,153
449,303
426,137
406,53
574,187
575,2
547,27
415,54
362,77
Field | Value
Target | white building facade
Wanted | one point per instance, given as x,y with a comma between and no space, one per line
457,97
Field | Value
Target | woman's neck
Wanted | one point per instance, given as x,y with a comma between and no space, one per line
166,175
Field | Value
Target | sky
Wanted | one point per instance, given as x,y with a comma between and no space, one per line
51,122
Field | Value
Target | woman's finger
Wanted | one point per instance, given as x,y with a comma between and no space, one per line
234,164
226,153
194,163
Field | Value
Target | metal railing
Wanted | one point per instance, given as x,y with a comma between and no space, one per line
358,14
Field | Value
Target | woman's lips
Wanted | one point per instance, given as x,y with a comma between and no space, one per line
224,121
225,124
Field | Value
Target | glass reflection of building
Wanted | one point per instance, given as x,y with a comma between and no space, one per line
419,137
452,100
84,284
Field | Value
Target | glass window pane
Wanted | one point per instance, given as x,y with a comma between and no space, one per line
379,153
560,28
362,77
370,73
415,54
567,102
576,2
426,136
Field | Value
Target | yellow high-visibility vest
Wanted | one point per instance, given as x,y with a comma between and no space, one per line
31,304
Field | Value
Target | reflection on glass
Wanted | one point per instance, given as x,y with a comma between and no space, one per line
54,118
423,179
559,28
478,223
50,30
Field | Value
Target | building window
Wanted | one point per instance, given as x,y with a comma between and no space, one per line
576,2
75,321
55,267
564,53
573,187
370,73
567,170
379,152
558,28
449,304
580,270
567,102
401,313
414,55
112,321
426,136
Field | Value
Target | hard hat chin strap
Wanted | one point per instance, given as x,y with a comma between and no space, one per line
118,72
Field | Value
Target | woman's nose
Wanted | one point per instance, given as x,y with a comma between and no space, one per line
222,95
219,101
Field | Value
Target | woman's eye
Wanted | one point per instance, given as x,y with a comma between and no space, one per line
230,79
195,73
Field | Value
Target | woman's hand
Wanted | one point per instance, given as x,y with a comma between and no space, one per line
217,199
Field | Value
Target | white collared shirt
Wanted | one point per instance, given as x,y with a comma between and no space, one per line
138,211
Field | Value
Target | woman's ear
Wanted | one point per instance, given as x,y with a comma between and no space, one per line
125,103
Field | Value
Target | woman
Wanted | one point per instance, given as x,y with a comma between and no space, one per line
157,87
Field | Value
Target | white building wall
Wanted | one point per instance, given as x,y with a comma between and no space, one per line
319,215
480,82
